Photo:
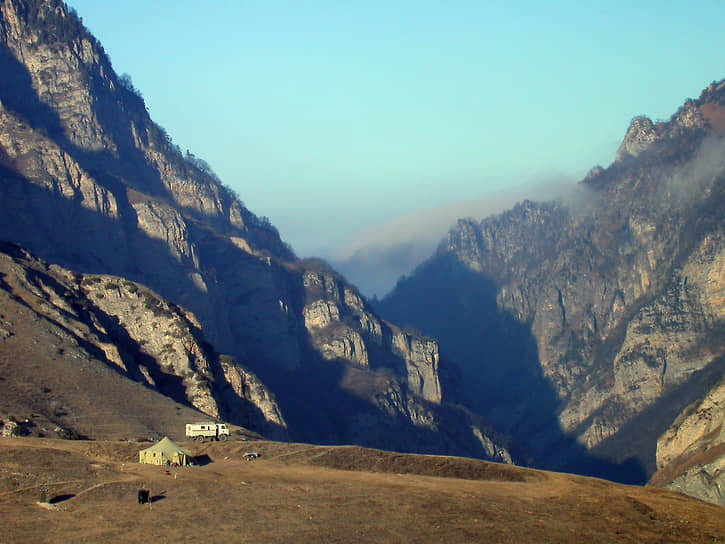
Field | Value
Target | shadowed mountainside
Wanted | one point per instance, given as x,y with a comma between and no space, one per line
89,183
587,313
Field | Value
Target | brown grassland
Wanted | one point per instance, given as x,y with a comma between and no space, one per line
301,493
292,493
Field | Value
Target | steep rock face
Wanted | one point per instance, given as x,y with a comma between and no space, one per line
244,384
639,137
599,308
89,182
79,100
421,361
143,337
342,327
691,453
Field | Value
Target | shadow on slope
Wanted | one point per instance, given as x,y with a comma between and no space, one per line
630,441
61,231
19,96
310,397
319,409
500,374
367,460
32,221
116,160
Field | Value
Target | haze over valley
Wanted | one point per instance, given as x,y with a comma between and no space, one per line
490,334
339,121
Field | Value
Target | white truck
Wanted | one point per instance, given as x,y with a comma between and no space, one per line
208,430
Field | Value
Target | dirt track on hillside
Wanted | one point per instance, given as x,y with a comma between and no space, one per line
297,493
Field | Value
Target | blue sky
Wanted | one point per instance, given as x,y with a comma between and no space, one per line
331,118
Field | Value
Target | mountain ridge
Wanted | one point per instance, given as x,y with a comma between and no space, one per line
594,312
617,288
92,185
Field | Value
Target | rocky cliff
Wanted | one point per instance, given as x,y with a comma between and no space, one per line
599,316
691,452
90,183
129,328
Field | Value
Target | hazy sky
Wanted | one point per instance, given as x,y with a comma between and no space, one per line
333,117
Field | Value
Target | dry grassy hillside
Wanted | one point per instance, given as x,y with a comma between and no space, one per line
47,379
300,493
56,376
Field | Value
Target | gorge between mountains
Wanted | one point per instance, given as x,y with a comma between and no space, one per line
585,334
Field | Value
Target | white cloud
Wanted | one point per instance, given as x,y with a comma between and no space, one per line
375,258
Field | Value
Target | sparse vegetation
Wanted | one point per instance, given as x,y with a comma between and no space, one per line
233,195
227,359
125,81
204,167
54,21
329,494
156,306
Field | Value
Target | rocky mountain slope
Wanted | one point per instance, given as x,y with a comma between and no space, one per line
691,453
90,184
588,324
110,322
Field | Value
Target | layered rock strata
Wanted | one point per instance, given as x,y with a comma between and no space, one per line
131,329
90,183
604,307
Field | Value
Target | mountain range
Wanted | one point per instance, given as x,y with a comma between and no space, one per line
251,334
584,334
597,317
